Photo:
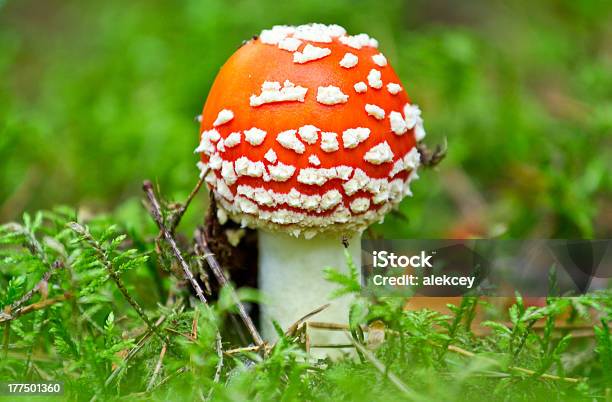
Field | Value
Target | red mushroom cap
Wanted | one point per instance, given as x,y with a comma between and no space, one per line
308,130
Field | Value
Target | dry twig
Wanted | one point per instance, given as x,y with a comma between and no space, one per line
194,325
157,366
155,210
292,328
382,368
331,345
178,215
47,275
203,251
331,326
167,234
246,349
467,353
33,307
217,376
115,373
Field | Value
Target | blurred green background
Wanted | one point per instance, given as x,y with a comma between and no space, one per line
95,96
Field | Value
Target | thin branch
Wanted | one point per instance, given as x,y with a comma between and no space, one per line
178,215
307,340
186,336
132,353
194,325
47,275
383,369
33,307
203,275
161,383
157,366
219,348
332,345
577,331
157,216
297,326
169,377
291,330
217,377
539,326
95,245
167,234
246,349
203,251
331,326
467,353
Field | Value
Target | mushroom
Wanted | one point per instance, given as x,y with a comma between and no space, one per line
308,136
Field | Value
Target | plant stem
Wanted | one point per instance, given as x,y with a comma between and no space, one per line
467,353
157,366
383,369
157,216
47,275
34,306
176,219
203,250
93,243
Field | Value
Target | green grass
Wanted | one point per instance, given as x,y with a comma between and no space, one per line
103,328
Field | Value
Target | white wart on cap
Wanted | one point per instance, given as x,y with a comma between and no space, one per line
322,139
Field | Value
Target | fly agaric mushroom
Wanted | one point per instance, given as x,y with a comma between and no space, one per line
307,135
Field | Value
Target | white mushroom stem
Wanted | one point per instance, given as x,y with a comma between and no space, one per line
293,283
